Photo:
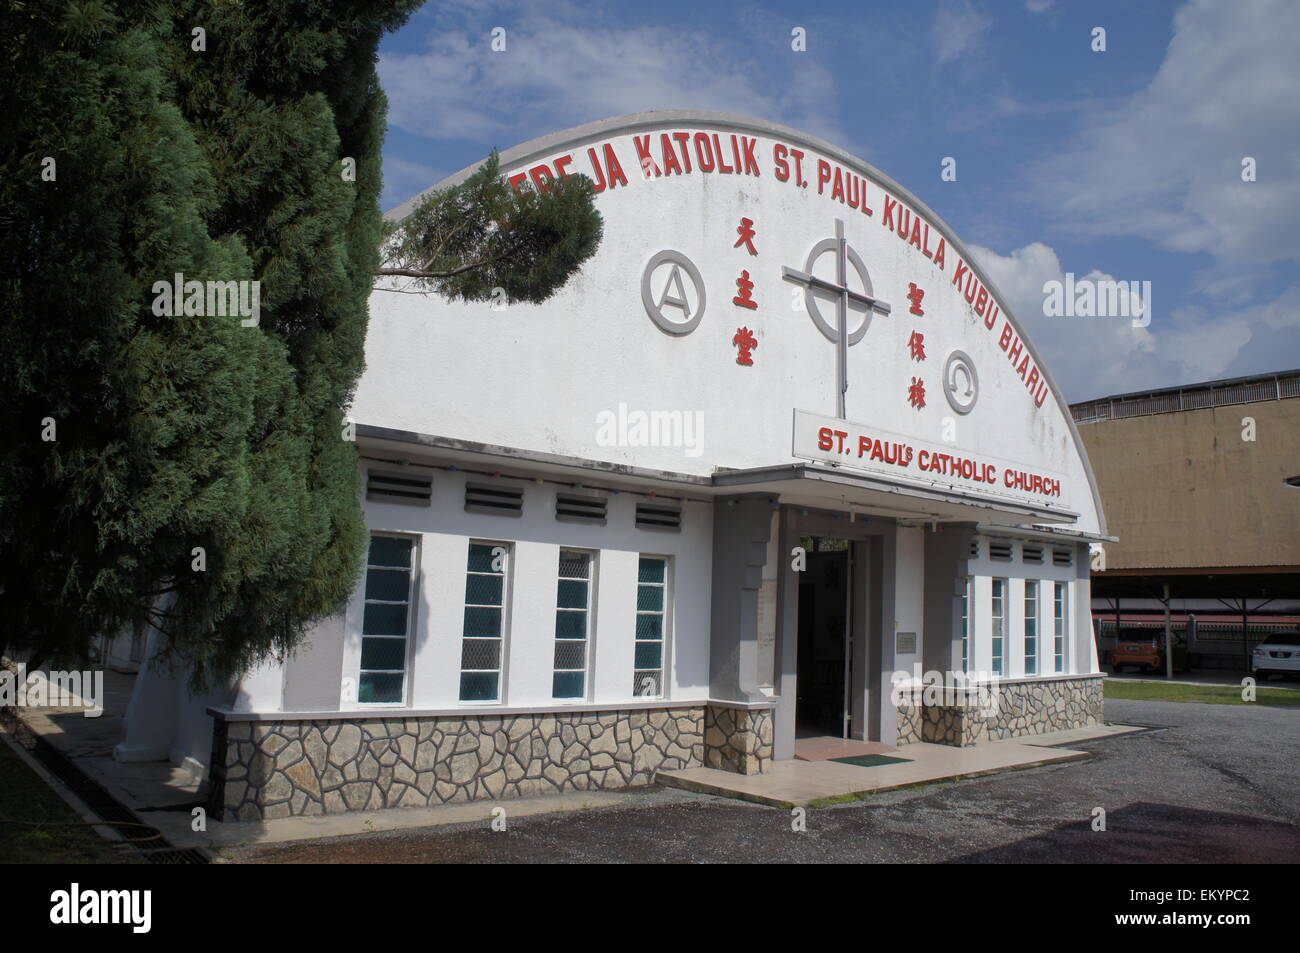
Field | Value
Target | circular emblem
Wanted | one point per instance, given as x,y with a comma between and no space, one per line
961,385
810,298
673,295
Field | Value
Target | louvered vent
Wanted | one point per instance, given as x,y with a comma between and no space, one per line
494,498
658,516
1062,557
1000,551
1031,554
584,509
409,488
974,549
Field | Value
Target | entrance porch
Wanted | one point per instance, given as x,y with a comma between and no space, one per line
800,783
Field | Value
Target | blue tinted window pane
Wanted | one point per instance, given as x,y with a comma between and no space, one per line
570,625
573,595
481,558
651,570
570,655
390,551
480,654
575,565
379,688
478,687
482,622
649,597
649,684
389,585
568,684
383,653
483,590
649,627
648,654
384,620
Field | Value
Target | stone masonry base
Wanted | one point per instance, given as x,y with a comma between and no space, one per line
261,770
1023,708
737,739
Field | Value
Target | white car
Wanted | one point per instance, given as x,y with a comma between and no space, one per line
1277,654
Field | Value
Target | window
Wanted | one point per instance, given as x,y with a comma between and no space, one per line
484,631
658,516
580,509
407,488
1031,626
651,610
999,622
1059,630
572,623
499,499
965,626
386,620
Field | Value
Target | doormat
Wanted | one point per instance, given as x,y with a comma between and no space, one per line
871,760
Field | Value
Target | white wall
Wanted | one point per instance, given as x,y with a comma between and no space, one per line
1080,654
537,376
909,594
444,531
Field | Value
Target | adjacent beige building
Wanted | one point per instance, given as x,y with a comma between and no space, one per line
1195,477
1199,485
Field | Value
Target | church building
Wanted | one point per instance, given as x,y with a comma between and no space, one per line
776,458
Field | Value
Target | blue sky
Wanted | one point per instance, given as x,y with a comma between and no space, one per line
1124,163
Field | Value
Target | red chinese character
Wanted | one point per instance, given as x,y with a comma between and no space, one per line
746,297
746,232
917,345
916,393
915,295
745,342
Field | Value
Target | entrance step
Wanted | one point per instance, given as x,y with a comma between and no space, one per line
827,748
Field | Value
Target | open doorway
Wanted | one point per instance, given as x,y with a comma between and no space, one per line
825,645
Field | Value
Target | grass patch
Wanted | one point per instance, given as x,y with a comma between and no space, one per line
1204,694
60,835
839,799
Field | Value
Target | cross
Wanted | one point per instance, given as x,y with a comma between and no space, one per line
843,293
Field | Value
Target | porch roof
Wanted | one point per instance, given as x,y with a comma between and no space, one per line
822,485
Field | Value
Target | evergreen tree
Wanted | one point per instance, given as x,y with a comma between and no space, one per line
187,469
469,240
192,457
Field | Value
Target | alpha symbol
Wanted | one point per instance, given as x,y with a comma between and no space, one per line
674,293
672,297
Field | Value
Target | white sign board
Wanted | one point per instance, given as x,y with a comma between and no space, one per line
905,459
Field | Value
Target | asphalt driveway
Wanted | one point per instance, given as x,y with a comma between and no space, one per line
1217,784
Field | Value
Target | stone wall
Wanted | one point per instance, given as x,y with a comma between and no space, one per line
738,739
283,768
1023,708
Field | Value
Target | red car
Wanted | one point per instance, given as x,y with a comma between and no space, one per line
1148,654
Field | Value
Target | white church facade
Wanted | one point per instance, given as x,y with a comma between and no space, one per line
774,454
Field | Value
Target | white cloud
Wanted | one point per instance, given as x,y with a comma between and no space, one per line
1165,164
403,178
1182,346
958,29
561,73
